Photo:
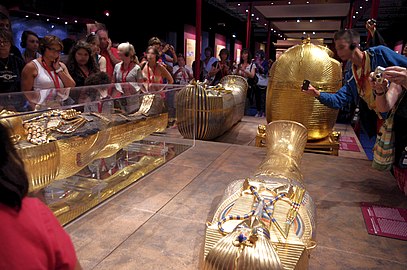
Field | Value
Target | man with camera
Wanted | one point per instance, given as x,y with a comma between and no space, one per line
357,78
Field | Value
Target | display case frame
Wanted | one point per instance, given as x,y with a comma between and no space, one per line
82,145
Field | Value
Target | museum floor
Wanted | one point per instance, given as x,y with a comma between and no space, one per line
159,222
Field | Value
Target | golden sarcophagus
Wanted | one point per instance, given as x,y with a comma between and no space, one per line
56,144
207,112
284,98
266,221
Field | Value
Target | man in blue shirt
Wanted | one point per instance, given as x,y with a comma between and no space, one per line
363,62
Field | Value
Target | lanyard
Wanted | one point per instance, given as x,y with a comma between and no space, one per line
151,79
360,80
55,80
128,70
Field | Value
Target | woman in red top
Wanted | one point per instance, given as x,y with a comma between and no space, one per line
30,235
152,70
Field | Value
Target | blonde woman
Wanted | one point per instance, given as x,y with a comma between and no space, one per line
127,70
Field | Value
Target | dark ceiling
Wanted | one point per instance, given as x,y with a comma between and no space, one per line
320,18
155,18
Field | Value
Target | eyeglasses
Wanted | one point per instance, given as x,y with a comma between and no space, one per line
54,50
4,42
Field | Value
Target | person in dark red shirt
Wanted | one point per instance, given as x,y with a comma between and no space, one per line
30,235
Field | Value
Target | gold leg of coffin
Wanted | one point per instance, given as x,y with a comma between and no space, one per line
207,112
266,221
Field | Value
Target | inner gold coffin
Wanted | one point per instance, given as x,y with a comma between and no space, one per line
65,157
205,112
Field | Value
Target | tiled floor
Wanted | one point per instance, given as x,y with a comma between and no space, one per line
162,219
159,222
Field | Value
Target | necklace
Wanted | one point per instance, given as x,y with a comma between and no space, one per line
6,64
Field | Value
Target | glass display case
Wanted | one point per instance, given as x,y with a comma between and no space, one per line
82,145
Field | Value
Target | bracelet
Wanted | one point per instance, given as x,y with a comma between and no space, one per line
378,94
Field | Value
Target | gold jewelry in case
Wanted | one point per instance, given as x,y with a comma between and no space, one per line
206,112
284,99
266,221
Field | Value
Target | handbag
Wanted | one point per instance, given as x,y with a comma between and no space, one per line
252,81
384,148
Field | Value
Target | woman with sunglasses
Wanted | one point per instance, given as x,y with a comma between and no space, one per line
47,72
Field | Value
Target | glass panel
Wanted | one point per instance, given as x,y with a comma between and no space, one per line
82,145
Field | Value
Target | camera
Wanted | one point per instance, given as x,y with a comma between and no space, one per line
371,21
305,85
378,74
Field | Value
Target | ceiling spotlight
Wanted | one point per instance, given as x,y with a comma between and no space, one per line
265,24
58,18
357,12
76,21
303,33
52,26
247,10
271,3
360,7
38,14
313,33
310,20
26,16
257,18
289,3
298,20
307,2
47,20
271,29
233,36
238,5
252,14
274,31
66,22
354,17
107,13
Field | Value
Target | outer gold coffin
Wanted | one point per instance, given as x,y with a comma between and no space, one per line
284,99
266,221
209,112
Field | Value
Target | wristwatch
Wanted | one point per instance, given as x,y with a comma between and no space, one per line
59,70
